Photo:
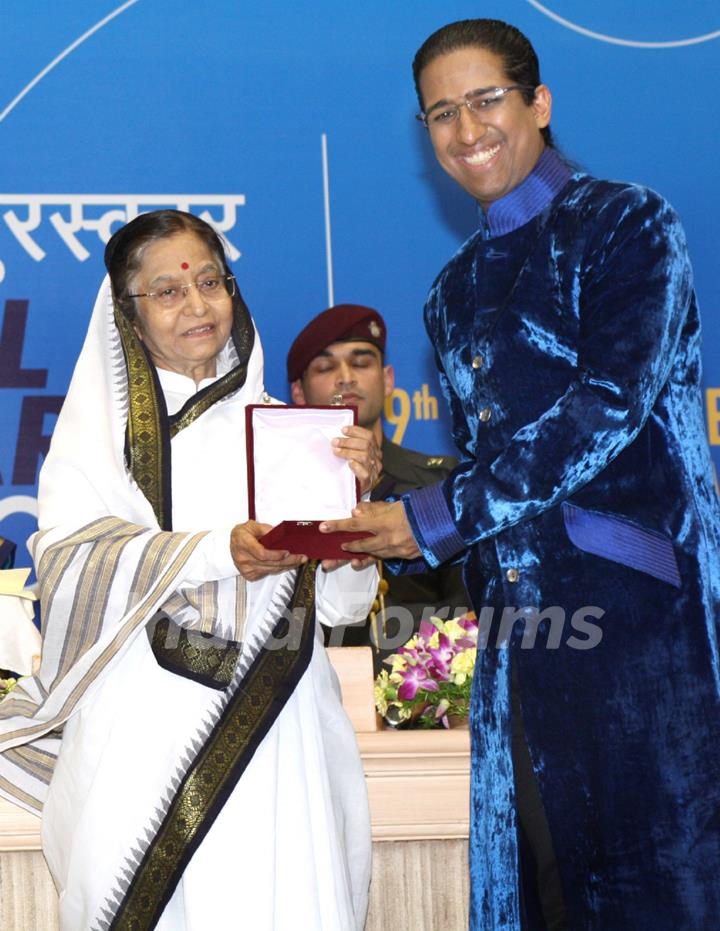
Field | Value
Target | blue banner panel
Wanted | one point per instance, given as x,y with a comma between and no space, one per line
291,127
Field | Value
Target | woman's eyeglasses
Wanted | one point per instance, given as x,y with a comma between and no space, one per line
173,293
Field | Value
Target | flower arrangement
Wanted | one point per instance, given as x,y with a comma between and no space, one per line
430,677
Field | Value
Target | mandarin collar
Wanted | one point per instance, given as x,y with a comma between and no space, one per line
528,199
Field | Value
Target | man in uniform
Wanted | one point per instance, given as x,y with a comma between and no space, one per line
338,358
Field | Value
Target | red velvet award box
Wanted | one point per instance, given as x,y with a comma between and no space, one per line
295,481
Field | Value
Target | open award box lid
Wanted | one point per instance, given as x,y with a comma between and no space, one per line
295,481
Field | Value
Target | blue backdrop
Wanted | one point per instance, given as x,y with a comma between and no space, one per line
291,125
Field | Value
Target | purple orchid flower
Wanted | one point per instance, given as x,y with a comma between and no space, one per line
415,678
411,655
442,657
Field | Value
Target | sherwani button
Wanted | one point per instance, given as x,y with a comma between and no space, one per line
485,414
477,362
512,575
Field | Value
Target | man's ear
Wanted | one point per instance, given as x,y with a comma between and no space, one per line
542,105
296,392
388,379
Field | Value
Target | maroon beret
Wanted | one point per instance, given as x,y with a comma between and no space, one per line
341,323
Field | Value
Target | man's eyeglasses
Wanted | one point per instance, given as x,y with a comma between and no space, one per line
173,293
484,98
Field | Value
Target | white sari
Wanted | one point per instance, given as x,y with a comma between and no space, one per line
288,845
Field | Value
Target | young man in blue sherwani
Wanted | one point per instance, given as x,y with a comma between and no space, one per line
567,339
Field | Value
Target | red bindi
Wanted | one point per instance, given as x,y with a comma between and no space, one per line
184,265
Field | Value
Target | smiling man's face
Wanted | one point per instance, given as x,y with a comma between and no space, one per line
489,151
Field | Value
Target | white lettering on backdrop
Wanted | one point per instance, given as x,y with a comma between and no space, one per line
71,214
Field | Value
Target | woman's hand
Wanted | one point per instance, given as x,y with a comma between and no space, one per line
360,562
363,454
392,537
251,558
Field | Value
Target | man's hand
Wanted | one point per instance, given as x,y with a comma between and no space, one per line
392,537
364,457
251,558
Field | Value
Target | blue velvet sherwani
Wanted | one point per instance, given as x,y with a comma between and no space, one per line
567,339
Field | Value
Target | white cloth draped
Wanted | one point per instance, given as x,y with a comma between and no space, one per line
291,847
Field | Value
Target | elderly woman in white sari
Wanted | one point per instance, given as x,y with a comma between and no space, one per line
184,737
